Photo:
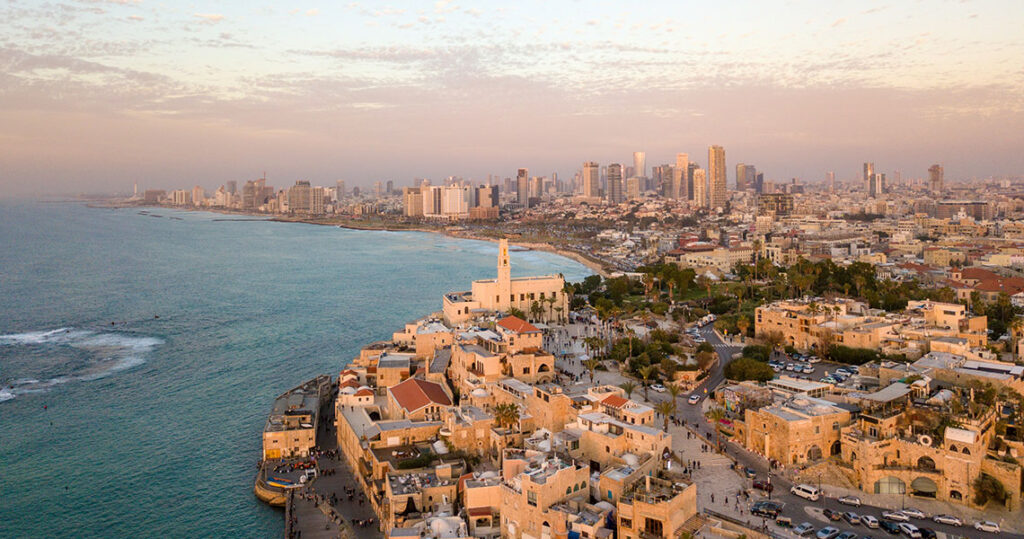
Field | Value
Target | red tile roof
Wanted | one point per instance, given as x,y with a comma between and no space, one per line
517,325
364,393
479,511
614,401
414,394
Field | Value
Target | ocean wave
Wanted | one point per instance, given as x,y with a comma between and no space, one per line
112,353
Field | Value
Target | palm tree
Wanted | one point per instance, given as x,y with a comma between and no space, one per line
629,387
593,344
716,415
559,310
704,282
674,391
665,408
551,303
536,310
591,365
506,414
743,324
646,373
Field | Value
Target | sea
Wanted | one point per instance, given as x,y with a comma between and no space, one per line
141,349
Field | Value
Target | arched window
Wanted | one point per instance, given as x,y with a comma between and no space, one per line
925,463
568,490
853,457
966,451
953,448
955,495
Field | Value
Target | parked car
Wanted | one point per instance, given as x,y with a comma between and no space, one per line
806,492
803,529
927,533
914,513
895,516
814,359
767,509
949,520
869,521
847,535
763,486
892,527
828,532
986,526
851,517
834,516
910,530
750,473
849,500
658,387
694,399
790,367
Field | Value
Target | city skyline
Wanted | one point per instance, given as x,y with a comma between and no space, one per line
100,95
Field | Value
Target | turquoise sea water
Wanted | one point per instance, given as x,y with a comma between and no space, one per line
144,353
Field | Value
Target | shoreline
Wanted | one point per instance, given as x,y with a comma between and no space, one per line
591,264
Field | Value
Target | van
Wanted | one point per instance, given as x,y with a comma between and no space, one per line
806,492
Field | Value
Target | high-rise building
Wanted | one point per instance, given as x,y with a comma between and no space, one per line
700,188
869,171
340,186
487,196
741,177
876,185
615,183
523,187
639,164
633,188
718,191
830,177
759,182
591,179
299,197
935,179
316,201
389,186
691,170
680,176
198,195
412,202
232,187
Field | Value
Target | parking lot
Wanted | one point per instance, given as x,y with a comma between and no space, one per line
784,364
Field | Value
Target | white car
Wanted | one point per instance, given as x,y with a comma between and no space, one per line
910,530
986,526
694,399
895,516
807,492
948,519
658,387
869,521
914,513
849,500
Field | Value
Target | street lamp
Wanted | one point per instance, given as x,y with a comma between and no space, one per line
769,481
820,493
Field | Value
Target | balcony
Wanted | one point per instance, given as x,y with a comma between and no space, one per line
905,468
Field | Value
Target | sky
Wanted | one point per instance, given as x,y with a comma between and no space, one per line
96,95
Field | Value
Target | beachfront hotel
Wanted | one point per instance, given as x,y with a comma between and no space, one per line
541,299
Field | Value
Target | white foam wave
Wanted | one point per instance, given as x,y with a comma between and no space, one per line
119,352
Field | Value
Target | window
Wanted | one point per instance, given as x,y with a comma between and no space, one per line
542,295
531,498
526,370
817,429
835,425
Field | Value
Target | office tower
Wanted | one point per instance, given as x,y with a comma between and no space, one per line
198,195
299,197
741,177
615,183
389,186
869,171
680,175
935,179
639,164
536,187
718,191
876,185
340,186
691,169
523,187
628,171
412,202
487,196
633,188
232,186
316,201
591,179
897,178
830,177
355,192
700,188
378,189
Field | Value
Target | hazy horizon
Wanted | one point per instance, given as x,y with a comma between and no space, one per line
99,94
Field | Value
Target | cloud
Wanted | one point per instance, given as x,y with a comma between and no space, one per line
312,12
210,18
838,21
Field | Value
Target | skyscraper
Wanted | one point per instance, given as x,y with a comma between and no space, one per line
591,179
741,177
340,187
700,188
640,164
523,187
935,179
680,174
232,186
718,191
615,183
831,178
299,197
869,171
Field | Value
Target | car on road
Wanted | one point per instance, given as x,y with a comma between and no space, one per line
803,529
851,517
694,399
806,492
949,520
910,530
927,533
869,521
763,486
847,535
828,532
849,500
658,387
834,516
914,513
892,527
895,516
986,526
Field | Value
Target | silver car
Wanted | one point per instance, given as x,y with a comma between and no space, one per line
948,520
914,513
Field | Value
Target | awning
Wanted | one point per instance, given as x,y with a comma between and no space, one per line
923,484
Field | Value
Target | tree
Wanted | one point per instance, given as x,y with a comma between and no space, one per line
988,488
591,365
743,324
518,313
674,391
536,310
666,409
506,414
746,368
716,415
629,387
593,344
646,373
773,339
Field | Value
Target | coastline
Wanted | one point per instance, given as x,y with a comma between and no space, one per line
594,265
